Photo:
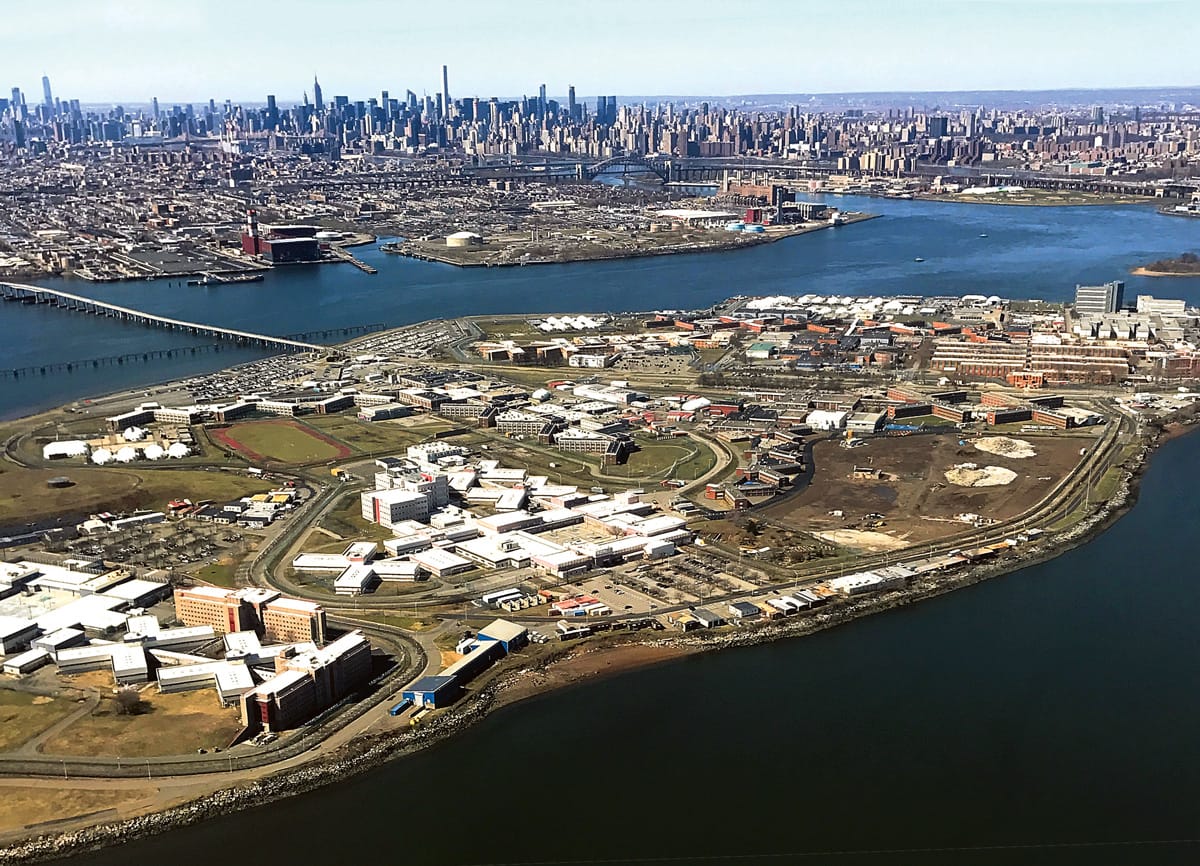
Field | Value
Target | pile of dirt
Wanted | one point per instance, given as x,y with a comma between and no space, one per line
1002,446
970,475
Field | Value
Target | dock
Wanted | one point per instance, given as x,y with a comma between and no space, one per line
346,256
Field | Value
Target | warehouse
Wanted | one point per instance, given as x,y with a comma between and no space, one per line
16,633
26,662
508,634
441,563
434,691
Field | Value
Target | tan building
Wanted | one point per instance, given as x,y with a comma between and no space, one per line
290,620
273,617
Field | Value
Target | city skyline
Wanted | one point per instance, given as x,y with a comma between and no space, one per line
669,48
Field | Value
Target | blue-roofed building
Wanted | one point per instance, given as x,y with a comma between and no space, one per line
435,691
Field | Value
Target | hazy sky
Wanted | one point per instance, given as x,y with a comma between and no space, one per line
188,50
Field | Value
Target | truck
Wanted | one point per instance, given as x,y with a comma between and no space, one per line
400,707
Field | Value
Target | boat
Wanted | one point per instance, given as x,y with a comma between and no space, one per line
984,235
918,259
215,280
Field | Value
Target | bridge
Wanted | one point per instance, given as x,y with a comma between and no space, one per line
24,294
660,167
159,354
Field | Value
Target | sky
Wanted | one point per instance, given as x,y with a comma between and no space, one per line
101,51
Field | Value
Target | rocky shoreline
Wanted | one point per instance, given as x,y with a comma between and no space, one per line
368,753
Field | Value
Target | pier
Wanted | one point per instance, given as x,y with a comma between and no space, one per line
346,256
17,292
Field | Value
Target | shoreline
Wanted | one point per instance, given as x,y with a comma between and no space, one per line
616,255
1144,271
567,666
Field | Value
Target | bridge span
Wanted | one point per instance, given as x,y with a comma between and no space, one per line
24,294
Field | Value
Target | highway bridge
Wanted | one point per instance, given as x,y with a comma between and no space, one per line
19,293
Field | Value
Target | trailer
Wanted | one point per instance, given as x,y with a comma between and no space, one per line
400,707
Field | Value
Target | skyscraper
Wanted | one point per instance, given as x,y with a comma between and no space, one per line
542,101
317,99
571,102
47,98
445,93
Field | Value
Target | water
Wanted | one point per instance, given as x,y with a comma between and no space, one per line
1030,252
1055,708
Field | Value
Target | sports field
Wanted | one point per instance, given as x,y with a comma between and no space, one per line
282,441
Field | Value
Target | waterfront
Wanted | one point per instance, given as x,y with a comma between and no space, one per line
1029,252
1027,720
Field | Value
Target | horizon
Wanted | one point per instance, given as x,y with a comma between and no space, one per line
693,51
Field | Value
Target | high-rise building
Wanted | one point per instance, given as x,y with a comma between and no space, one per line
272,112
445,93
1097,114
1098,300
939,127
47,97
154,107
318,100
571,102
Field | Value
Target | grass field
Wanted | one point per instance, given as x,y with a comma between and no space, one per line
281,441
24,716
220,573
25,805
24,496
375,436
656,457
172,725
346,520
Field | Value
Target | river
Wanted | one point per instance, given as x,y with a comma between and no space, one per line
1030,252
1044,718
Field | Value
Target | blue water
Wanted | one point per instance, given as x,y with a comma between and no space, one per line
1029,253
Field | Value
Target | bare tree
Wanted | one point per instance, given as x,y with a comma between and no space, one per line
128,701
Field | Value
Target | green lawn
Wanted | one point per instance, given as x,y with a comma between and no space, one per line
656,457
372,437
284,442
219,573
347,521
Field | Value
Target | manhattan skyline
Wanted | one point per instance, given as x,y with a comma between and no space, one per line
703,49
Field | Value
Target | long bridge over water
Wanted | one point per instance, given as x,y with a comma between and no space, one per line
20,293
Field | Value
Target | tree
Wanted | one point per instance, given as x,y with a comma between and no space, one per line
129,702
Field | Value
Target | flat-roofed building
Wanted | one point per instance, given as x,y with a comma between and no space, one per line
292,620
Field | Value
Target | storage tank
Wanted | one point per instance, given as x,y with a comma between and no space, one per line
464,239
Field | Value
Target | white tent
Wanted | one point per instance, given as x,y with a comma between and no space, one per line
178,450
134,434
154,451
101,456
126,454
72,448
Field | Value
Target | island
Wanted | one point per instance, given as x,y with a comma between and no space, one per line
245,584
1184,265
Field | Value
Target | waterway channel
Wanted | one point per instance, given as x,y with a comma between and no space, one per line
1044,718
1029,252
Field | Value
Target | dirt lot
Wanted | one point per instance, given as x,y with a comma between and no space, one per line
916,502
168,725
24,716
26,805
